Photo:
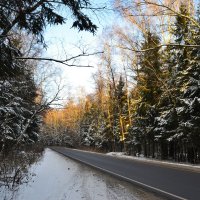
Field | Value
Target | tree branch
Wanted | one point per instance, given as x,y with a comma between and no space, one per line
64,62
159,46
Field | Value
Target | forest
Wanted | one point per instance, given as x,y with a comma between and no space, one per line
146,98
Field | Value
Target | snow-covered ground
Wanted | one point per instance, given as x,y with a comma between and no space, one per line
56,177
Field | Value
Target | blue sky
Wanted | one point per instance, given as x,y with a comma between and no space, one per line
63,40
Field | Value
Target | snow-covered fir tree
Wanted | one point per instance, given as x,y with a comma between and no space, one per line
177,129
18,110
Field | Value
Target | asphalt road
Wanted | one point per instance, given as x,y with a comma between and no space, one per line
172,182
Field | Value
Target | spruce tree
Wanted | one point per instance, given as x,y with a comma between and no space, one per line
148,86
190,99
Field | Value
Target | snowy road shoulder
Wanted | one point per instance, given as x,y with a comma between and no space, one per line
183,166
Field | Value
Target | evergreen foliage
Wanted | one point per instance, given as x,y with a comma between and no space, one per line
17,101
34,16
175,127
93,126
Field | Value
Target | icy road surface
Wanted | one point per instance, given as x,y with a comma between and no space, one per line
59,178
